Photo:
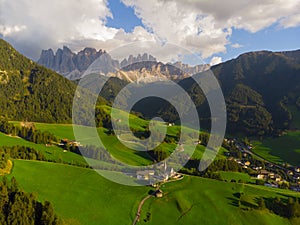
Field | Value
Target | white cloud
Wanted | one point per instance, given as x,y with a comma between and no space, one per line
236,45
291,21
215,60
10,30
177,24
203,27
50,23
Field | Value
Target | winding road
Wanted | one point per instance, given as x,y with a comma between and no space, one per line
138,214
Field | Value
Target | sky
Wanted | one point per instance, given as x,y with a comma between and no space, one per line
210,31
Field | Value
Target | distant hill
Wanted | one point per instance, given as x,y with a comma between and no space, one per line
29,91
191,69
261,89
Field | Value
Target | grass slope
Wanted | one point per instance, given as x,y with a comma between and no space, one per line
236,176
85,196
51,153
203,201
280,150
115,147
79,193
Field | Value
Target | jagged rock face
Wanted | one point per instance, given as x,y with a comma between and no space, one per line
103,65
191,69
140,68
47,58
86,57
132,60
150,71
67,63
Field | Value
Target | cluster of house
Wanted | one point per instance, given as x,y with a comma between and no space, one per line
267,174
164,173
147,175
65,142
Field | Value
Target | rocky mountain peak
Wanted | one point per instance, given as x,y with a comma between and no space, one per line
68,63
135,59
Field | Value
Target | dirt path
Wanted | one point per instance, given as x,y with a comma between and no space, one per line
138,214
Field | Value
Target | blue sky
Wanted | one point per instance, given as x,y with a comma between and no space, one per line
123,16
272,38
215,31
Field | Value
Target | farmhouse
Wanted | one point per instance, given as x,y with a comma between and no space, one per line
260,176
66,142
158,193
247,163
28,125
144,174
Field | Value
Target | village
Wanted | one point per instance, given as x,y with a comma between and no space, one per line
266,173
262,171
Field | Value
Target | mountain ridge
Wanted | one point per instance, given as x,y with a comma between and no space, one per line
138,68
29,91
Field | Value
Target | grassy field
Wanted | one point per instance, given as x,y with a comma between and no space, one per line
83,195
51,152
116,148
79,193
236,176
202,201
280,150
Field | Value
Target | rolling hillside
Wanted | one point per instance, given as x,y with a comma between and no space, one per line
261,90
30,91
87,198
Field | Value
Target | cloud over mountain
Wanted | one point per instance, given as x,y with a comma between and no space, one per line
204,27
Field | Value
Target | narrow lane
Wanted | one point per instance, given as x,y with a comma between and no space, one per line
138,214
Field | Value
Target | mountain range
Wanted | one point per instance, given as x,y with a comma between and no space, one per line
261,90
67,63
140,68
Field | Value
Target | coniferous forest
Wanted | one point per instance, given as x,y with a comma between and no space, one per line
21,208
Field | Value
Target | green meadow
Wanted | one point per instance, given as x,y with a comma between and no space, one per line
284,149
228,176
116,148
82,196
79,193
51,152
87,198
196,200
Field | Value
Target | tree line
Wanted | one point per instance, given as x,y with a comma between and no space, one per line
27,133
91,151
19,152
192,167
19,207
289,208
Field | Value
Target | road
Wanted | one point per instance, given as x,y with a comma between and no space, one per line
242,147
138,214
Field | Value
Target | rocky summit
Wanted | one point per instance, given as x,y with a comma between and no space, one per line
68,63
